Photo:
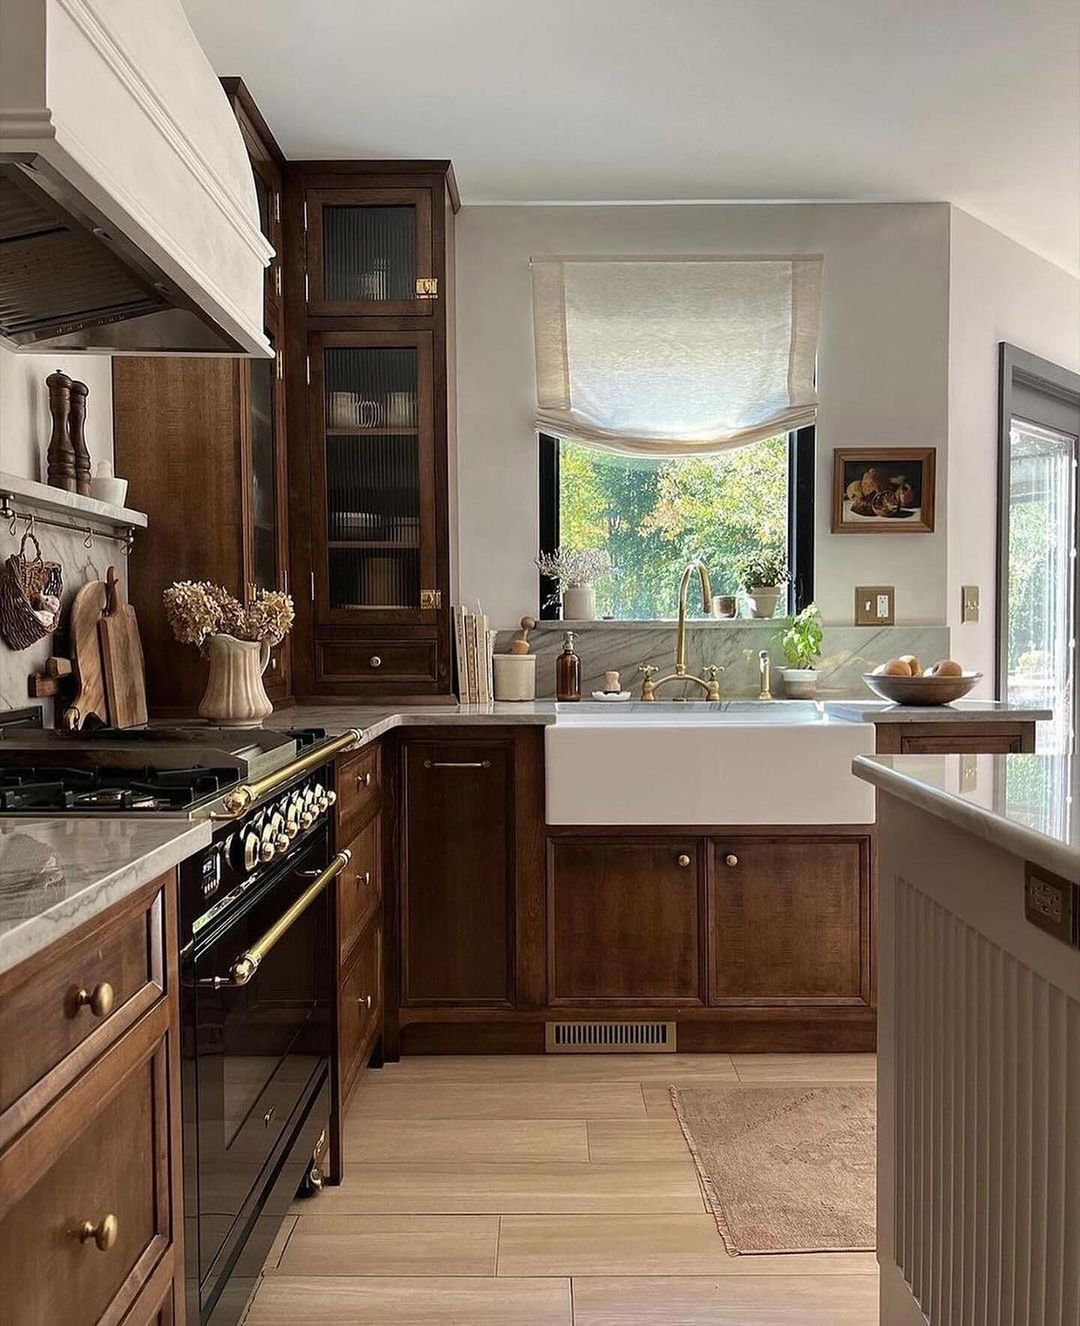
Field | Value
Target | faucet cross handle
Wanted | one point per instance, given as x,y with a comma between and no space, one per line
648,689
712,688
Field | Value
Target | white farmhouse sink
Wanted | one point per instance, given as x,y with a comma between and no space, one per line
748,762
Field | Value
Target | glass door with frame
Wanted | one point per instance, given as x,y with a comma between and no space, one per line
373,475
369,252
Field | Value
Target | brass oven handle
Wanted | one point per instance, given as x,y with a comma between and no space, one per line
238,799
247,964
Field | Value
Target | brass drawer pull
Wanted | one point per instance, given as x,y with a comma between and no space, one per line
731,860
247,964
100,1000
683,860
457,764
103,1235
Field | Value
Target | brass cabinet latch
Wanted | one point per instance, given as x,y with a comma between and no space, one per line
431,598
427,287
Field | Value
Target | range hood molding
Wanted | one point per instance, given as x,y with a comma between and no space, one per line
112,118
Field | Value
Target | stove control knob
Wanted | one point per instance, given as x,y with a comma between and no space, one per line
266,852
250,850
281,842
292,825
307,819
331,797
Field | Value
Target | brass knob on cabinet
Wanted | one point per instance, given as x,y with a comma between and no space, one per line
99,1000
731,860
683,860
364,879
376,661
364,1001
103,1235
364,779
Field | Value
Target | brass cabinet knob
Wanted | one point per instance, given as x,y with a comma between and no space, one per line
364,1001
731,860
100,1000
683,860
103,1235
375,661
364,879
364,779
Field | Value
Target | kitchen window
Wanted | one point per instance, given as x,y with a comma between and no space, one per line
652,515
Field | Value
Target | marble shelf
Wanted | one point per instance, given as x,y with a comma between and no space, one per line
81,511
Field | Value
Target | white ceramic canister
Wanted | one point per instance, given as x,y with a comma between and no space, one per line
515,676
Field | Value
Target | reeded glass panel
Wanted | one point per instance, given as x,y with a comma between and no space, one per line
369,253
263,496
1042,552
372,477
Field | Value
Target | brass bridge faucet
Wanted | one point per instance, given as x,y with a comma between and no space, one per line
711,686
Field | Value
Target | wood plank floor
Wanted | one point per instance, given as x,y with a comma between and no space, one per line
543,1191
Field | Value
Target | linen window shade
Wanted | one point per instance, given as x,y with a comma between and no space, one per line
675,356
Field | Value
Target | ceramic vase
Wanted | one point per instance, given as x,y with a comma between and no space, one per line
800,683
579,604
763,599
235,695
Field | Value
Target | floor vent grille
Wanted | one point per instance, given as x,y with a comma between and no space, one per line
610,1037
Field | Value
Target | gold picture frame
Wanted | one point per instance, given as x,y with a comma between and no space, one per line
883,490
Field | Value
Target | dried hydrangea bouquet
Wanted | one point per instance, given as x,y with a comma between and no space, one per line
236,638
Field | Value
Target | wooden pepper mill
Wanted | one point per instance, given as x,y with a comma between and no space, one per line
60,462
77,432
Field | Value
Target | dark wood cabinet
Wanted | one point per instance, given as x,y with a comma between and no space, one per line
457,872
202,442
369,258
625,921
789,920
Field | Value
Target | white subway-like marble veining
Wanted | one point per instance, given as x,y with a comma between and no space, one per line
57,873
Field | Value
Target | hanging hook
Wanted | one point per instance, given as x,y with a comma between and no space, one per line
88,542
13,527
129,542
29,518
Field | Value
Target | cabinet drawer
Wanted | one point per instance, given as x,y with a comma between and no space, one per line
86,1216
359,887
379,663
359,790
57,1015
360,1004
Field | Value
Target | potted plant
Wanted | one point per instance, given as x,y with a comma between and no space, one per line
575,573
762,577
236,638
801,643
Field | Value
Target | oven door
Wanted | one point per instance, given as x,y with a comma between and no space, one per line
261,1040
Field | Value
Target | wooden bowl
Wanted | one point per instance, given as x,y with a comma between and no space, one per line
921,690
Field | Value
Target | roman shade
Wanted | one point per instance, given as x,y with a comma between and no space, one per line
675,356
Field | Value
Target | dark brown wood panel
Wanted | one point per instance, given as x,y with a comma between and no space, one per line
625,921
358,888
360,1004
954,738
789,921
376,663
64,1007
359,790
104,1150
457,886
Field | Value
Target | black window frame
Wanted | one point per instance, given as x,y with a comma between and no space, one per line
802,466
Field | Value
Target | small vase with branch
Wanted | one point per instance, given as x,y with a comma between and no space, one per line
236,638
575,572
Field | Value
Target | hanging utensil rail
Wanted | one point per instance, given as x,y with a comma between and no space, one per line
125,536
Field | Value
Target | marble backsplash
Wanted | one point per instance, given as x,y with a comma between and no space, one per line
847,652
80,564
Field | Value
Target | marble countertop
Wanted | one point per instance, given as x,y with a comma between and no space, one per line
960,711
1028,805
57,873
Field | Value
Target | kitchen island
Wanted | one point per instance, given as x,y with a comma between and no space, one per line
978,1036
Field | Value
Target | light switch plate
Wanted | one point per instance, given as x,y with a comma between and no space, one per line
969,603
875,605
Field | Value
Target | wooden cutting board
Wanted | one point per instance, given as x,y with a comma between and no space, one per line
89,699
122,658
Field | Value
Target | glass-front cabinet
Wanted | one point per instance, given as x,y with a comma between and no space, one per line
372,451
369,253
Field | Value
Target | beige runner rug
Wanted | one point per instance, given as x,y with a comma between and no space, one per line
785,1169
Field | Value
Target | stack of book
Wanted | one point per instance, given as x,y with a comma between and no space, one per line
474,645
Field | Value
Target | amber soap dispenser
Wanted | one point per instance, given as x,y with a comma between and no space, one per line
568,671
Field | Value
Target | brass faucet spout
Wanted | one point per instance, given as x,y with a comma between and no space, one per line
710,683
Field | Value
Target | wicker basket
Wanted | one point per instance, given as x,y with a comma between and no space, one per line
21,583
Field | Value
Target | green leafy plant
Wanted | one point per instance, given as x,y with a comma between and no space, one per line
763,570
801,639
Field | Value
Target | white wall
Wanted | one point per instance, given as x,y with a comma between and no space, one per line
999,291
25,422
882,370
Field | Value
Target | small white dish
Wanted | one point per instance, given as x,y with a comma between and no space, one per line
611,697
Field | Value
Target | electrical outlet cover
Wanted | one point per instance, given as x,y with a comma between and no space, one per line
875,605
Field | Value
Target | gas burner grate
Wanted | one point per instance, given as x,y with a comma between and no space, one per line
110,789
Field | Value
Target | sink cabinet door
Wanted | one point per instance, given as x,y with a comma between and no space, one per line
625,921
789,921
457,912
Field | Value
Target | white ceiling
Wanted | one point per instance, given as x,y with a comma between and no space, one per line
976,102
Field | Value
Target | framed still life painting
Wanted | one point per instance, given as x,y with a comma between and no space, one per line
883,490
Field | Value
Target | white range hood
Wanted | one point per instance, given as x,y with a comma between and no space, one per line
128,215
